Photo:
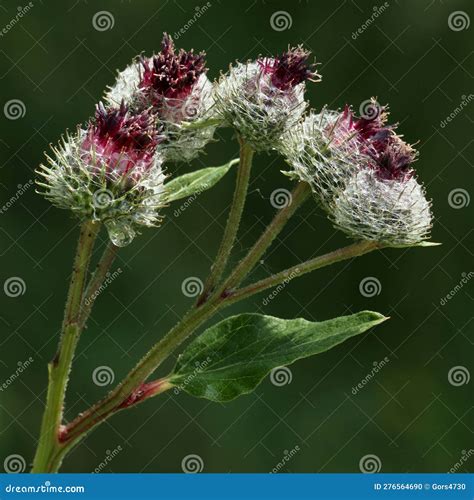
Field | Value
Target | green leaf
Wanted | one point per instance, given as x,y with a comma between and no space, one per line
196,182
232,357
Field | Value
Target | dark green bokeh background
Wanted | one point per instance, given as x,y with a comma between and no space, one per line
410,416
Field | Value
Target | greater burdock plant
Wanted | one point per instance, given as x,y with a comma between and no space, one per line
111,172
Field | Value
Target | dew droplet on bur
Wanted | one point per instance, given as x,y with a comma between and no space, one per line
121,234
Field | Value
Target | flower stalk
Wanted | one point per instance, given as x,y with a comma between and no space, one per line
60,366
96,281
297,198
134,390
349,252
233,220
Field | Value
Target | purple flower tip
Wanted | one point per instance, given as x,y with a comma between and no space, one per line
121,140
290,68
390,156
171,74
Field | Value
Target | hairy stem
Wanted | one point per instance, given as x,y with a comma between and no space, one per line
298,196
233,221
97,280
354,250
60,366
117,399
134,390
196,317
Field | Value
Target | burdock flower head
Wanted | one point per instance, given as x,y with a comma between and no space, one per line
323,152
175,86
264,98
361,172
382,201
109,172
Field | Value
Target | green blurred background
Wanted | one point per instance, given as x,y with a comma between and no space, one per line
409,415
